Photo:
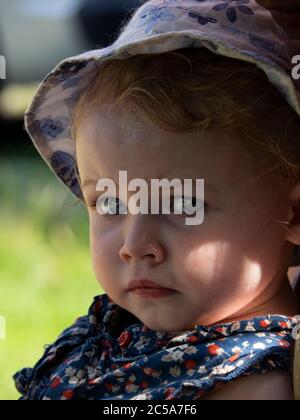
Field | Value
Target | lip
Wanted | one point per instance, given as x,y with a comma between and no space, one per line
145,284
153,293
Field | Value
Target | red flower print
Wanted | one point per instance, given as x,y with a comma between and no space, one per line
92,382
193,339
144,385
284,324
234,357
168,393
265,323
284,343
57,381
220,330
124,339
190,364
127,366
214,350
68,394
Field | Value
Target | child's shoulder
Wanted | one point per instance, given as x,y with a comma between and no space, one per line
275,385
73,339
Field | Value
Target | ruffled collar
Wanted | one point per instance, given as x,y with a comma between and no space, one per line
110,354
132,338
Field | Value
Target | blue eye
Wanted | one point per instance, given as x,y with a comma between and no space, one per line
114,206
110,206
186,205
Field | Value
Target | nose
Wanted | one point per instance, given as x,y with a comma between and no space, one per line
142,240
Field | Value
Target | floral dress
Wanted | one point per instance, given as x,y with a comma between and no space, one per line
110,355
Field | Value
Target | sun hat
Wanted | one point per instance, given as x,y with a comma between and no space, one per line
241,29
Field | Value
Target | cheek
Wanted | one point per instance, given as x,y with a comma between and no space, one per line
206,261
213,267
104,253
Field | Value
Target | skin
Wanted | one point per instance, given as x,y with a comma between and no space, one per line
272,386
231,267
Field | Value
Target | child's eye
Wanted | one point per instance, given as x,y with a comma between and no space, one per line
108,206
111,205
186,205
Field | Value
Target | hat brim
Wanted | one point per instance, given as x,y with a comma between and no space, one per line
49,118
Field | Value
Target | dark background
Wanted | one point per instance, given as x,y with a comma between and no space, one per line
95,22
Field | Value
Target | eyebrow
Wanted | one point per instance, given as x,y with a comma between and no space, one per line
88,182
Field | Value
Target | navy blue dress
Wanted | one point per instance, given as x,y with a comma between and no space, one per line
109,354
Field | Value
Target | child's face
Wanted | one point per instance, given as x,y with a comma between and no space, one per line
224,266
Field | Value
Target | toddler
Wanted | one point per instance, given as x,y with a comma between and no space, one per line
189,90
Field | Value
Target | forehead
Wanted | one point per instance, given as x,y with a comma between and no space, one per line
113,139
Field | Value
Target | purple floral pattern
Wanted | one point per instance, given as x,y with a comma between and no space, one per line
49,127
232,7
202,19
153,16
64,165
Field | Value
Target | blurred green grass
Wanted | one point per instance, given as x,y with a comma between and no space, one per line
46,276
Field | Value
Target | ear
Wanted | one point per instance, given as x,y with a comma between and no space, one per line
293,233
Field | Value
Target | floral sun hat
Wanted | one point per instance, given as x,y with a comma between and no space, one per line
241,29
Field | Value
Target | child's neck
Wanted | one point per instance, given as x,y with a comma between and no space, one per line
282,301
